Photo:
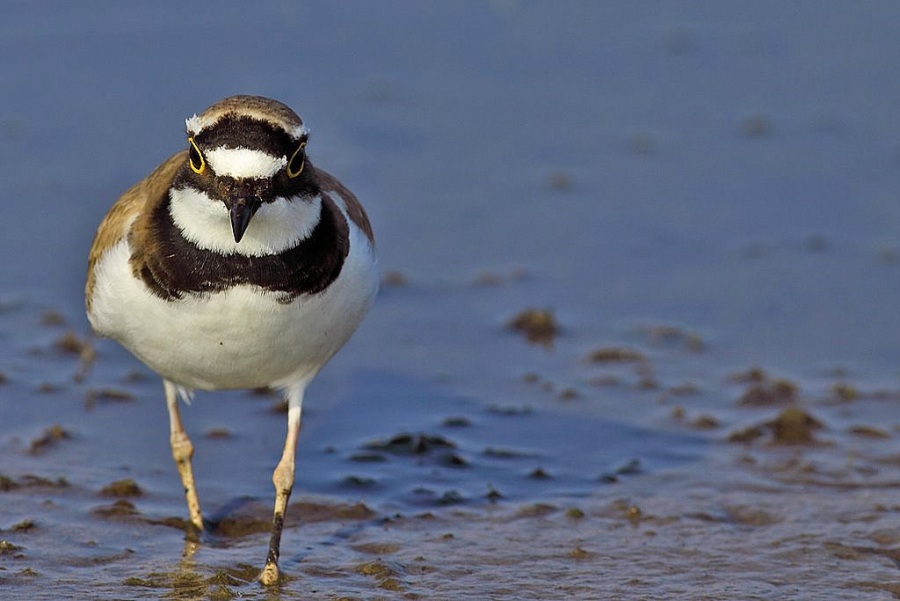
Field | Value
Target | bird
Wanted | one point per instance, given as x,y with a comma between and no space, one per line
235,264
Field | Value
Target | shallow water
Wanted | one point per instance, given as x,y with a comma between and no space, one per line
690,191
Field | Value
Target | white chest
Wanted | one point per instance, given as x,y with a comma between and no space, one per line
240,338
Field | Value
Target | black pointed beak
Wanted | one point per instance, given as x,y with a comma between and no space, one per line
241,211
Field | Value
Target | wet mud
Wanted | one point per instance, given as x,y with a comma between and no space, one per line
748,473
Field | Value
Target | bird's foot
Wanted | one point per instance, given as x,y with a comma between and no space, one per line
269,575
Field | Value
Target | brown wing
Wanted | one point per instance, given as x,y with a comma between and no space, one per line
144,194
331,186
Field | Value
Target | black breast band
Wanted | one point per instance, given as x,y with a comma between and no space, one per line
176,267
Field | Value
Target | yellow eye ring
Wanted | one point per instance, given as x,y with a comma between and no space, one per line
198,163
292,170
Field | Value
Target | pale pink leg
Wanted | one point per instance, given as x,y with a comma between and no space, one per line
283,479
182,451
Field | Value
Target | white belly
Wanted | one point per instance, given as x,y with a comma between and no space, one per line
242,338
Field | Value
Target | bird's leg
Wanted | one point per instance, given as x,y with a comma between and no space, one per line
182,451
283,479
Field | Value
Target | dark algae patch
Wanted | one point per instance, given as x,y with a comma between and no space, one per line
616,355
387,575
539,326
793,426
869,432
186,583
411,444
106,395
7,548
118,509
8,483
122,488
48,439
774,392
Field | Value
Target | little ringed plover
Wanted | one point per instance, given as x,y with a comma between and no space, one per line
235,264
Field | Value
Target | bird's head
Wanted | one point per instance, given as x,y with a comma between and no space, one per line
244,153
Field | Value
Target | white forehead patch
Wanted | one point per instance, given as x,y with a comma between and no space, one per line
194,125
244,162
197,123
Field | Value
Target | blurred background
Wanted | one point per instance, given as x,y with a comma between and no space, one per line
732,166
712,186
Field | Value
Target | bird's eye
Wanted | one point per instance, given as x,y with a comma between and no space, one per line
198,164
297,162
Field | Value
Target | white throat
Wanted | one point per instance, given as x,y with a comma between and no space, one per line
276,227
